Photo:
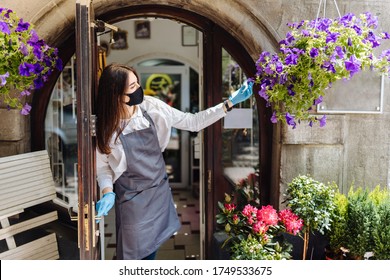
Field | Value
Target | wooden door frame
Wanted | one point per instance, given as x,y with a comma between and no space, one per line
215,37
86,62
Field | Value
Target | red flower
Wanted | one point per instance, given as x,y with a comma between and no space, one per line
236,219
268,215
291,221
230,207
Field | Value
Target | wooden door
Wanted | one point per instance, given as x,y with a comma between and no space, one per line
86,59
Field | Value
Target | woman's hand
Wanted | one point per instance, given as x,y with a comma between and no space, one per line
242,94
105,204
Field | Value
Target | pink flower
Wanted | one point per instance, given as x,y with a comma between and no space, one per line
260,228
268,215
236,219
249,210
291,221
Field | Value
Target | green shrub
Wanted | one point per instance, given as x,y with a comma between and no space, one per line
313,202
381,230
337,233
361,218
361,223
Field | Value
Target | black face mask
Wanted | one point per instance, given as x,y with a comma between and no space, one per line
136,97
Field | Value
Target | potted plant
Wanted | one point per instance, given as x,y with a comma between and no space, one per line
314,55
256,233
26,61
313,202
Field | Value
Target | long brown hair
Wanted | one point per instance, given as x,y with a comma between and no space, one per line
109,103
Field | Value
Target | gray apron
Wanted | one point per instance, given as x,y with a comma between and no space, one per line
145,213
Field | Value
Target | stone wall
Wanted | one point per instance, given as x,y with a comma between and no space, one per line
14,132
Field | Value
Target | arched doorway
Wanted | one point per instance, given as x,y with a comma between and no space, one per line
216,41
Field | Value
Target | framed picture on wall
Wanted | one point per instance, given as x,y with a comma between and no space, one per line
120,40
189,36
142,29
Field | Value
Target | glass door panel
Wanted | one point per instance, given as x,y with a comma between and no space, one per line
240,152
61,135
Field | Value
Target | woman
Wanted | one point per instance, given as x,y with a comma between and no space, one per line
132,132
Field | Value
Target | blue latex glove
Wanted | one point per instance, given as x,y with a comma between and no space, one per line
242,94
105,204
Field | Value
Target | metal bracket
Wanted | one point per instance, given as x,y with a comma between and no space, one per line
101,26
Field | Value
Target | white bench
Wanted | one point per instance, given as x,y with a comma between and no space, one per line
26,180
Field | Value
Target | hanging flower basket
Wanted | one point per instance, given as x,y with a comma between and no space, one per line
314,55
26,61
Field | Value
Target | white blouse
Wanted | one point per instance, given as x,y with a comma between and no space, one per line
110,167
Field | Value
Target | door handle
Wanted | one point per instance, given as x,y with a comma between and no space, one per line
75,217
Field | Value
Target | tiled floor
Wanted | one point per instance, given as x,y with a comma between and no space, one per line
185,245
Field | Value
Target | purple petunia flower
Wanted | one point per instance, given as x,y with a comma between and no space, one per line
290,90
38,83
318,100
263,93
279,67
269,69
352,65
357,29
25,69
26,109
385,53
310,78
332,37
25,93
385,35
372,21
3,79
22,26
324,24
34,39
339,52
349,42
305,33
314,52
288,40
282,79
346,19
38,68
373,39
329,66
23,49
274,119
290,120
4,28
323,121
291,59
37,51
263,56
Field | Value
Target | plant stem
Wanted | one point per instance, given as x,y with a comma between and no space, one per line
305,242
